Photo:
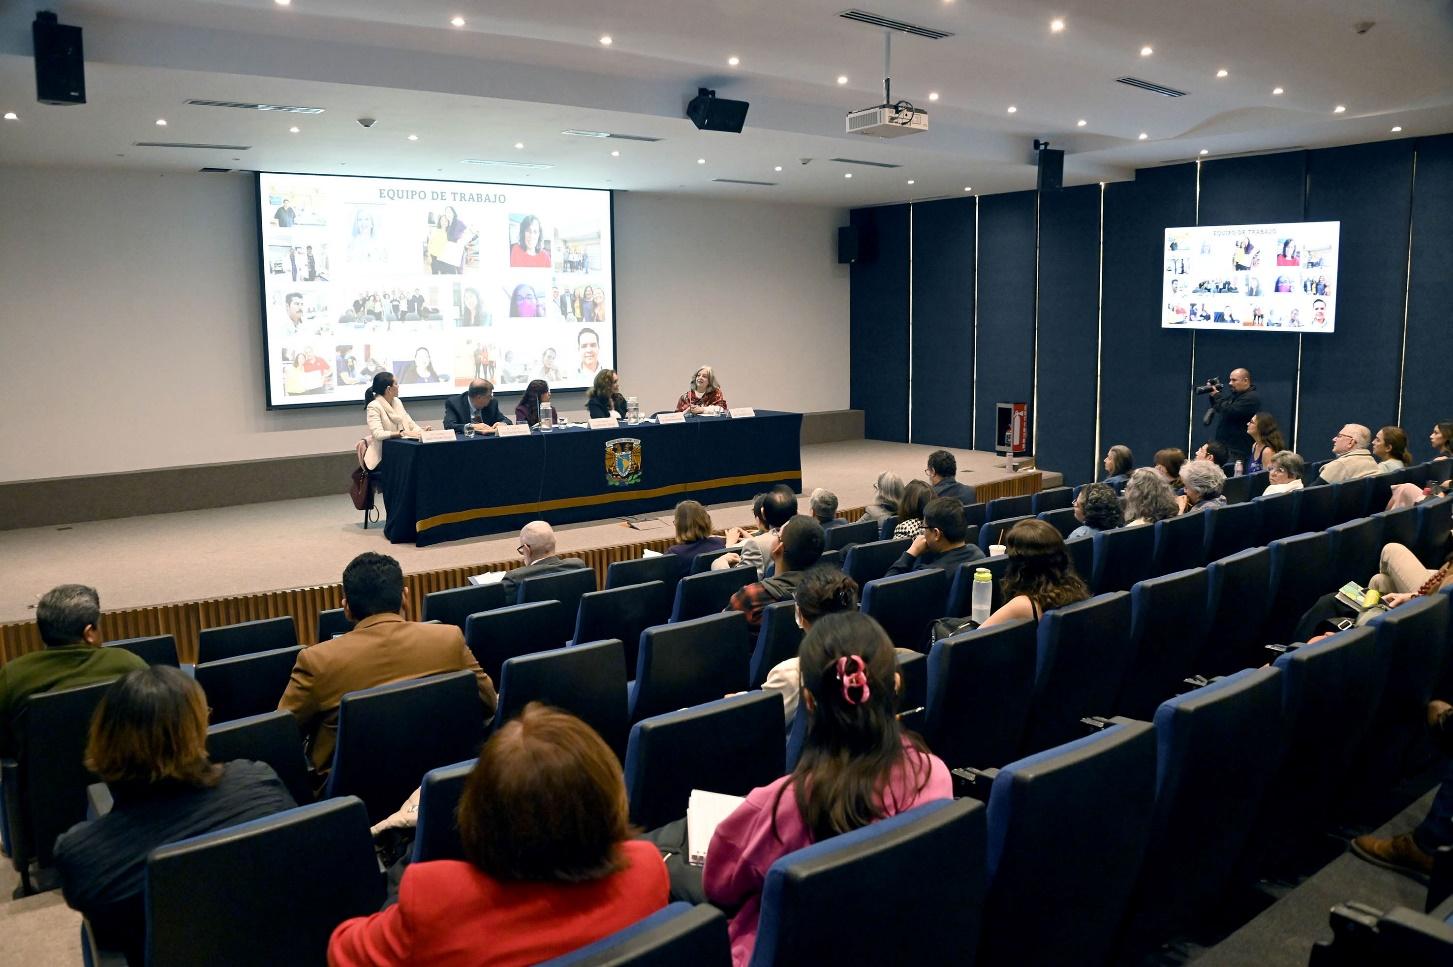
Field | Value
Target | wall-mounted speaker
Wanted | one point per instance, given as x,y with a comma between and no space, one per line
847,245
1051,169
711,113
60,67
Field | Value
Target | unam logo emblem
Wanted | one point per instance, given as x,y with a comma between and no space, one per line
623,461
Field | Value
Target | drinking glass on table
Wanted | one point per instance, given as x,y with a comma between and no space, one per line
469,431
547,416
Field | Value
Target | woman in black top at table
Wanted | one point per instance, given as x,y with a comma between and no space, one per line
605,396
528,410
148,743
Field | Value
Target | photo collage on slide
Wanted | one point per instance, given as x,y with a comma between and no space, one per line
436,282
1280,276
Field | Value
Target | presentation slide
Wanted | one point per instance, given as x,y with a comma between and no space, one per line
438,282
1256,277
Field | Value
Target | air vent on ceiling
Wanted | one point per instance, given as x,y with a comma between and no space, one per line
529,165
579,133
252,106
183,144
1150,86
870,164
744,181
215,171
888,23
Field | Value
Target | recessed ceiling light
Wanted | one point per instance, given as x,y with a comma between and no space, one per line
1013,109
968,187
161,122
1205,151
1223,72
701,161
1143,136
1276,90
519,145
12,116
1146,51
605,40
933,95
1395,130
615,154
294,129
1340,108
778,168
910,181
282,3
733,61
458,21
413,137
1056,25
842,78
1081,123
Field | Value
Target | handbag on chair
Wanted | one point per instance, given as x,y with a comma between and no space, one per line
360,487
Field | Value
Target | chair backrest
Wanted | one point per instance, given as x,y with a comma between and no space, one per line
1168,626
1317,510
1356,549
690,662
1415,637
245,638
240,895
806,892
907,604
1298,579
1231,528
993,532
731,745
777,641
1361,935
1082,655
1055,498
858,532
496,636
1063,519
154,649
567,587
53,728
1353,496
979,688
913,688
623,613
1238,596
331,623
667,569
586,680
1279,514
1237,490
454,606
1259,483
246,685
976,515
1435,518
703,561
1122,557
1401,526
390,735
709,592
1082,555
1067,830
1001,508
437,835
1180,542
832,558
961,587
680,933
870,561
271,737
886,525
1217,748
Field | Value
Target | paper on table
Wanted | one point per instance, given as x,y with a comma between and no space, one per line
488,578
704,813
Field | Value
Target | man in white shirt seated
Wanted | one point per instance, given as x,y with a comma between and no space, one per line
1354,460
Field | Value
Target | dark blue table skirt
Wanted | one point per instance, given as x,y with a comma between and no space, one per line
446,491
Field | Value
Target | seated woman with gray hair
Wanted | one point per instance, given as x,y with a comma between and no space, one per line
887,491
1285,471
1148,498
1203,482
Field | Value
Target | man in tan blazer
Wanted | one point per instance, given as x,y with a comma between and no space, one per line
381,648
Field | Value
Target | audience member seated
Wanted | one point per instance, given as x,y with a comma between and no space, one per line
1352,457
824,507
475,407
1412,853
1401,574
916,495
1118,463
1441,439
941,542
693,532
1215,452
68,618
824,590
1168,464
1266,441
704,395
537,547
1390,449
605,397
800,547
887,491
381,648
778,507
549,864
1039,575
942,476
857,767
1285,473
1202,481
148,743
1097,508
1148,498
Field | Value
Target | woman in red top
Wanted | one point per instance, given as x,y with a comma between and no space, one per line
705,391
530,251
550,867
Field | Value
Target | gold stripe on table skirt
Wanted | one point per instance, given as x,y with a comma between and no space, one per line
479,513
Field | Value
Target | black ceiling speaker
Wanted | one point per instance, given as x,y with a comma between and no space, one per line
1051,169
711,113
60,68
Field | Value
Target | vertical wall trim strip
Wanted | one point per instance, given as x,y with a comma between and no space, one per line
1034,345
974,396
1099,333
1407,285
1191,407
910,322
1297,384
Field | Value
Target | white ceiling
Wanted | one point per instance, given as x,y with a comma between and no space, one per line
524,71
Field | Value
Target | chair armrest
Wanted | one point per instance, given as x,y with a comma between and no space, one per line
94,955
972,783
98,800
17,826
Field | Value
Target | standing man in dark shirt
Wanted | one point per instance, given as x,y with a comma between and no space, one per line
941,544
1234,410
942,468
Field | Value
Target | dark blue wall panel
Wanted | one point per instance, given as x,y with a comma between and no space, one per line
1006,308
1426,381
943,322
1069,291
879,322
1267,188
1144,369
1351,376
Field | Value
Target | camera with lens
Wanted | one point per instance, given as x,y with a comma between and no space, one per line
1212,385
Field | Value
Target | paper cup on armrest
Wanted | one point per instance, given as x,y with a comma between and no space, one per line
996,549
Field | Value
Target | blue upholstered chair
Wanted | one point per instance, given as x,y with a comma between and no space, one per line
1083,652
1001,508
907,604
777,641
1298,579
454,606
1279,514
709,592
248,684
1055,498
1062,519
153,649
437,835
689,662
961,586
993,532
331,623
979,688
1238,597
1168,625
271,737
567,587
1231,528
677,934
1122,557
870,561
1356,549
496,636
859,532
587,680
1180,542
667,569
245,638
622,612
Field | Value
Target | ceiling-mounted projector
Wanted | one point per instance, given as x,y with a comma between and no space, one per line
888,121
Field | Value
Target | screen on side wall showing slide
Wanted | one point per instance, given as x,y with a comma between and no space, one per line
1258,278
438,282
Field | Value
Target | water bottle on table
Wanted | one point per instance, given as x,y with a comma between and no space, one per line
547,416
982,600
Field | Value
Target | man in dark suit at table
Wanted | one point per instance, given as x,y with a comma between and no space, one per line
942,468
476,406
537,547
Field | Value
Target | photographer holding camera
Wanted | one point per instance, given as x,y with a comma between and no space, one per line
1235,410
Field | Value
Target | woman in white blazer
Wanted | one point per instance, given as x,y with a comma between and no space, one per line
387,418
